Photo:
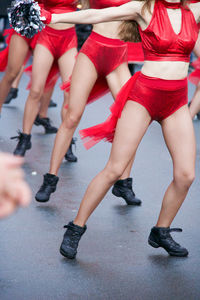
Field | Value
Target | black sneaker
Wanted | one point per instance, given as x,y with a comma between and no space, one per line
161,237
69,156
24,143
13,93
123,188
46,123
52,103
198,115
47,188
71,240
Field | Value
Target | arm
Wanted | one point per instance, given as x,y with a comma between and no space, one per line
128,11
195,8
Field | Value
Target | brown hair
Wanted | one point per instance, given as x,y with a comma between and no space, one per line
129,29
85,4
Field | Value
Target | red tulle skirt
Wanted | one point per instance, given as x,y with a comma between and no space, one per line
4,54
160,97
194,77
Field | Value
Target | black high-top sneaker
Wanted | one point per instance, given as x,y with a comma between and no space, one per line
46,123
47,188
13,93
52,103
69,156
24,143
123,188
161,237
198,115
71,240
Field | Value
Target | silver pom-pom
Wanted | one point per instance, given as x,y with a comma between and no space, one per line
24,17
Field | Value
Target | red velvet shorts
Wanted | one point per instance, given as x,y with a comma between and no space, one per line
106,54
58,41
160,97
31,42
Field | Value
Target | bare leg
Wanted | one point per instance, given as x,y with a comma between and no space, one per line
77,102
45,99
42,62
179,137
16,82
18,51
116,80
124,147
66,64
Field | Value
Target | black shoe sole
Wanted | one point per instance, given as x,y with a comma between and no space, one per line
117,194
71,160
41,201
51,132
155,245
66,255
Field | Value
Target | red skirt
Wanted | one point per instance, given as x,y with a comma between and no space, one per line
160,97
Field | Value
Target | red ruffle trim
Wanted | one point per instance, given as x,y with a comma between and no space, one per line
99,90
106,130
51,79
4,53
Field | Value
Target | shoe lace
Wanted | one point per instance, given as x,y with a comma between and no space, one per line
17,136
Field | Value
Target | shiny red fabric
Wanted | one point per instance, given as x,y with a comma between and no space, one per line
135,52
58,41
161,43
4,54
160,97
60,6
106,54
99,4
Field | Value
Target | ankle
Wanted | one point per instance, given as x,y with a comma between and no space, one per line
79,223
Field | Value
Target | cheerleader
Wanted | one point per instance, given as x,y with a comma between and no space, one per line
56,44
168,31
103,55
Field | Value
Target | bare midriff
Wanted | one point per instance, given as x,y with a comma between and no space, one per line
109,30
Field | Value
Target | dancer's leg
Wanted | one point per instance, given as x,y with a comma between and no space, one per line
45,100
16,82
81,85
42,62
66,64
18,50
179,136
125,144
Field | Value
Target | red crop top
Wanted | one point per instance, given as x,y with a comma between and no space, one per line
99,4
161,43
60,6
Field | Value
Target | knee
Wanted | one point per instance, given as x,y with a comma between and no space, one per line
184,178
11,74
113,171
36,93
72,119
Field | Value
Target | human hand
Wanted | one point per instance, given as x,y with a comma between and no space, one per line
14,191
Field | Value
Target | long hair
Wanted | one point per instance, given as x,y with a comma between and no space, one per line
129,29
85,4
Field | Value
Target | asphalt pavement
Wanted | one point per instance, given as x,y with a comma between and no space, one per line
114,261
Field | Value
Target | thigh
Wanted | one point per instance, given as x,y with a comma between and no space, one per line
18,50
117,78
130,129
66,64
83,79
42,62
178,132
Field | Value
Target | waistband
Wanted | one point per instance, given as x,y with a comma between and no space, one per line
59,31
102,39
159,83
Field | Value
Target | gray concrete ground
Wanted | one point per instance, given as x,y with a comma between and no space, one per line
114,260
